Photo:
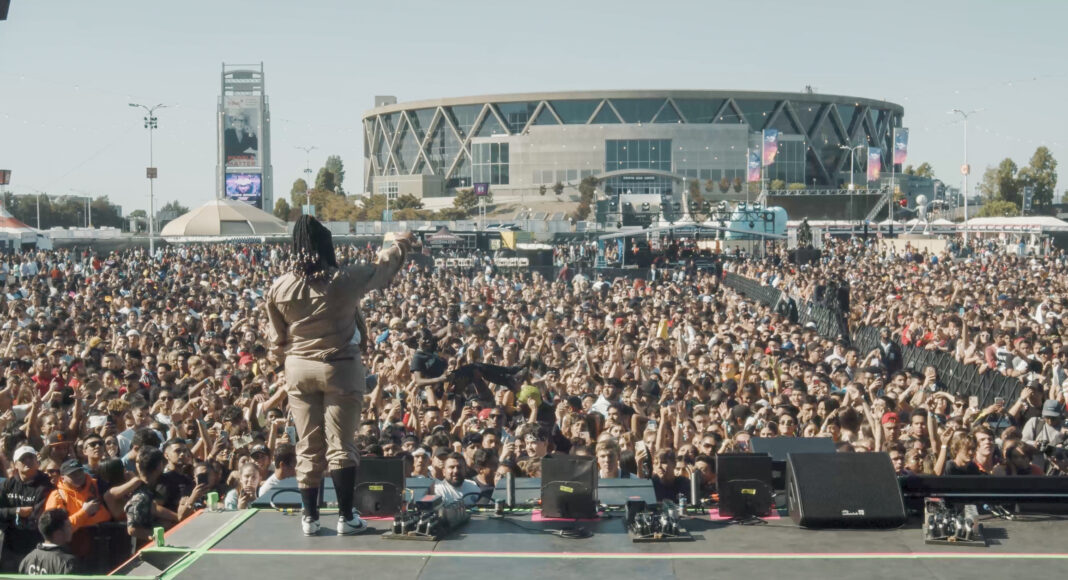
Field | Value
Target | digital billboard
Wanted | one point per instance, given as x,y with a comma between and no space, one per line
241,137
246,187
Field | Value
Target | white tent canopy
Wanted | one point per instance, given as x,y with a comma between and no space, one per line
13,229
1019,224
224,217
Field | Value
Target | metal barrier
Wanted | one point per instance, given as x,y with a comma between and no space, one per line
957,377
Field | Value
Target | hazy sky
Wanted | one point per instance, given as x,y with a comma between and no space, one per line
68,68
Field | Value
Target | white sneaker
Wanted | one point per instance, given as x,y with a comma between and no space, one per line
309,526
351,527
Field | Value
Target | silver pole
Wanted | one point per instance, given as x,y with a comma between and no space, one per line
966,169
151,190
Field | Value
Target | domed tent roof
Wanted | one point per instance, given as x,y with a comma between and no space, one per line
225,217
9,224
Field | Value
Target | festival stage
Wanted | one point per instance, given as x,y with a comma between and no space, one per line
267,545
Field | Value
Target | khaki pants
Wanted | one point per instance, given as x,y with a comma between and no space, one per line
326,399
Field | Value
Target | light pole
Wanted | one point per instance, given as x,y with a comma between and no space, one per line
307,165
852,187
88,214
151,125
965,169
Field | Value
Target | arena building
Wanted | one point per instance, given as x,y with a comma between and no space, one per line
639,142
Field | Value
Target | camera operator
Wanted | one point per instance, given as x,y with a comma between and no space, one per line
1046,431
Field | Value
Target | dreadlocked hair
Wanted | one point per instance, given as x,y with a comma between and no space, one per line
313,249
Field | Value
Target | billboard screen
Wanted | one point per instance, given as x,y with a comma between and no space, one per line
246,187
241,130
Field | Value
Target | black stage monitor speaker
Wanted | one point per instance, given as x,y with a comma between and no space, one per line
844,490
741,499
379,486
779,447
569,487
744,481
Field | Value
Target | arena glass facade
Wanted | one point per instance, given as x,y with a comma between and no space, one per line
647,142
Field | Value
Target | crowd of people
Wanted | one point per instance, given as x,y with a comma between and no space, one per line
135,388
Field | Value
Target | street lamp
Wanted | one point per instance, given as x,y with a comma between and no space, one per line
307,160
965,169
852,187
151,125
88,214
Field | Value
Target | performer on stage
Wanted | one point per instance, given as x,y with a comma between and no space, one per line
316,325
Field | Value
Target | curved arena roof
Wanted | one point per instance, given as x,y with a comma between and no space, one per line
432,137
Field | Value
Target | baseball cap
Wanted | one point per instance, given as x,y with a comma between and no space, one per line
23,451
1052,408
419,451
472,439
70,467
261,449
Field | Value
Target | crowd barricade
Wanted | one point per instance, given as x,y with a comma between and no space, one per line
956,377
752,289
830,322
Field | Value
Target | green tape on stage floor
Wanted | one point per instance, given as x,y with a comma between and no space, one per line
186,562
634,556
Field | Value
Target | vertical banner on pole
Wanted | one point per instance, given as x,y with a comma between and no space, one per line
771,146
875,161
901,145
754,167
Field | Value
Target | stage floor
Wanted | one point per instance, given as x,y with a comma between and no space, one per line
267,545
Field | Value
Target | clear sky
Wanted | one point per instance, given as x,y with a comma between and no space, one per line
68,68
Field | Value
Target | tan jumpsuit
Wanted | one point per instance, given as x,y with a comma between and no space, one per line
313,324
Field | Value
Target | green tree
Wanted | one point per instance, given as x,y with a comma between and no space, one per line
581,212
176,207
465,200
1001,183
299,193
795,186
558,188
337,168
543,190
282,209
724,185
710,186
1041,174
105,214
999,208
449,214
406,201
588,189
778,184
924,170
325,181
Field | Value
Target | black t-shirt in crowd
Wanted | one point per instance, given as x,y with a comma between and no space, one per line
429,364
49,559
172,487
969,468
